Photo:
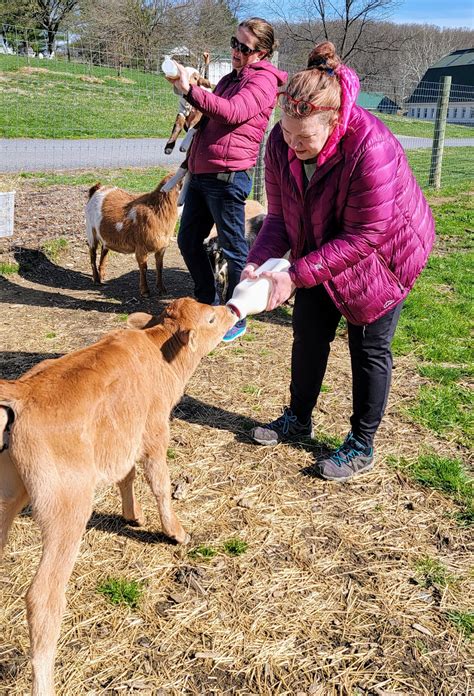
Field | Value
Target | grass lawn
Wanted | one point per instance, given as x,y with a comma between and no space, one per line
56,99
401,125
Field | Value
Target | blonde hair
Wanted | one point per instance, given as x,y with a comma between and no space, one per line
318,83
263,32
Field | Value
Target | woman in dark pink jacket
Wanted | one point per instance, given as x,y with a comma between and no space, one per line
224,149
343,200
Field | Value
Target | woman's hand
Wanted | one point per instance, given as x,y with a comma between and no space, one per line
281,288
249,272
181,83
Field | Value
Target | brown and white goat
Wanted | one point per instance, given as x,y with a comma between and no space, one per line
131,224
188,116
83,420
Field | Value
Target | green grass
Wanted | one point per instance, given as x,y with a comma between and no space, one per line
134,180
121,591
54,247
446,410
402,125
445,475
7,268
73,100
203,552
457,168
51,334
234,547
433,572
250,389
464,622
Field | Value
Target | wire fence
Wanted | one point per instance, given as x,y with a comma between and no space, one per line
88,105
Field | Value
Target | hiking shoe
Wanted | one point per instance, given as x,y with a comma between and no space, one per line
236,331
350,459
286,428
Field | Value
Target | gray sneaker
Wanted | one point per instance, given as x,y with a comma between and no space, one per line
350,459
286,428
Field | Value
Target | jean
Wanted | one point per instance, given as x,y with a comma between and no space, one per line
210,200
315,320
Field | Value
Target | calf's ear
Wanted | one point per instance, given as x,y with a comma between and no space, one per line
141,320
188,338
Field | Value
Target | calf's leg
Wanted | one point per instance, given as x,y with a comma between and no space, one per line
131,508
13,496
62,516
158,477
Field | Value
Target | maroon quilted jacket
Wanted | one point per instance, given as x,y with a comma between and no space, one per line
362,227
238,112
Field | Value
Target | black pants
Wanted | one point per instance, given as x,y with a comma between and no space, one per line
315,320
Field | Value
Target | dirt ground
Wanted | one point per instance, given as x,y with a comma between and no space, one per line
325,601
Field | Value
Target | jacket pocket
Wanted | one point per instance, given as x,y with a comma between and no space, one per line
367,290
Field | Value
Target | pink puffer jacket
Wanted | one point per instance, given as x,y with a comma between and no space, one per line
238,112
362,227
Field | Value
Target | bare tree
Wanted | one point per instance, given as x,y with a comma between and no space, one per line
347,23
51,15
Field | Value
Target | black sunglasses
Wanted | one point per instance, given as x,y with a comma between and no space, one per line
242,48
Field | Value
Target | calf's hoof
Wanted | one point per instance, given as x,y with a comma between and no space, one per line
169,149
182,538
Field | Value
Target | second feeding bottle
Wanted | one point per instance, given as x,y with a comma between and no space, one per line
169,67
251,296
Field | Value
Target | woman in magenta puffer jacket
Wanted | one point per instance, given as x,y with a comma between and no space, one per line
343,200
224,149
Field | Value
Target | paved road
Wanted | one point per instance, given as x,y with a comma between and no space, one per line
25,155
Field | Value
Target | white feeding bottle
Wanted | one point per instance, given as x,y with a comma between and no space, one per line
169,67
251,296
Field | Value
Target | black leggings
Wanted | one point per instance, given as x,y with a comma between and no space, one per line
315,320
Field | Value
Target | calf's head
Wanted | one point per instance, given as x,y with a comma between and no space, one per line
192,325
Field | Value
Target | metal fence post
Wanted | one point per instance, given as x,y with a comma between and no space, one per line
439,132
259,179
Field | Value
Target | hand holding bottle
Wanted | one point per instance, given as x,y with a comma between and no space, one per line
255,293
180,79
249,272
281,288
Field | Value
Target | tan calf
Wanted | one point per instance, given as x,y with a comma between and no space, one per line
131,224
113,410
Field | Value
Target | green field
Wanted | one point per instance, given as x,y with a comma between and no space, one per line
58,99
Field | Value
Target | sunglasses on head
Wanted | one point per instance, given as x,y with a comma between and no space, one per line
299,107
241,47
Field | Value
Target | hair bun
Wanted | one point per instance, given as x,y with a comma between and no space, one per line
324,57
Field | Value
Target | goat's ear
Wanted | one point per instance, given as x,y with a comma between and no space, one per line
141,320
188,338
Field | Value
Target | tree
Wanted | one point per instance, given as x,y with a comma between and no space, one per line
50,15
347,23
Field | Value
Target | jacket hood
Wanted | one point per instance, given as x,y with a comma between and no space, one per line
349,90
280,75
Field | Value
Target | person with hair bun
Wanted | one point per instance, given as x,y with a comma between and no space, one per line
343,200
223,151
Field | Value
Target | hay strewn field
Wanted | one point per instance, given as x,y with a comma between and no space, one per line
349,590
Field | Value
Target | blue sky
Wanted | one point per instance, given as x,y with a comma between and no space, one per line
444,13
